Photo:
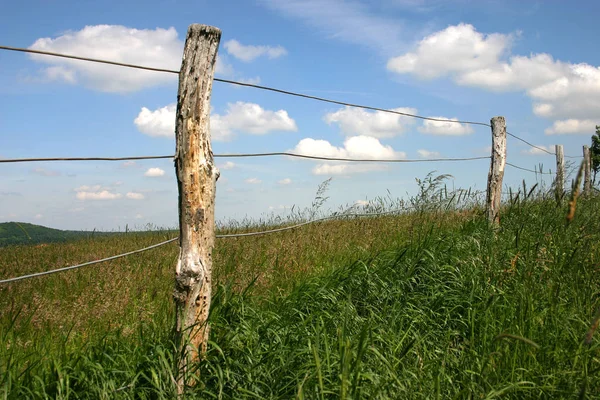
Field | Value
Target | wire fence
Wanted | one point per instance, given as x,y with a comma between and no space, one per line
224,236
289,154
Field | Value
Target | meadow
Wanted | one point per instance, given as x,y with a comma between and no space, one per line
427,303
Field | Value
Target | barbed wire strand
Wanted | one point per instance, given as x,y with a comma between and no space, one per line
529,170
532,145
287,92
34,275
348,159
336,216
17,160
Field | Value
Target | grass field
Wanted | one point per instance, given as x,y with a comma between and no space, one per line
428,304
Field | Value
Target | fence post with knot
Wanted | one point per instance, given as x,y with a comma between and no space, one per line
496,174
196,182
587,170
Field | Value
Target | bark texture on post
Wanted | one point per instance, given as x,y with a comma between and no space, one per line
196,181
496,174
560,172
587,171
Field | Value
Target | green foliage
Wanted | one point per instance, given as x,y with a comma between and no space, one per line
432,304
595,152
15,233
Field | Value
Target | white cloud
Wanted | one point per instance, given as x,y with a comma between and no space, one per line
159,48
285,181
359,147
227,165
445,128
428,154
534,151
150,47
252,118
240,116
378,124
457,48
154,172
98,195
558,90
346,169
253,181
573,126
361,203
160,122
362,147
249,53
135,196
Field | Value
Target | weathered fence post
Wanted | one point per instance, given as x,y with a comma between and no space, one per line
497,165
560,171
196,181
587,169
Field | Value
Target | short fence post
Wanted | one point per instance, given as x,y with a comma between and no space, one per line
196,181
496,174
587,169
560,171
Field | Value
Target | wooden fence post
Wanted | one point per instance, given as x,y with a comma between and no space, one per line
560,171
587,169
496,174
196,181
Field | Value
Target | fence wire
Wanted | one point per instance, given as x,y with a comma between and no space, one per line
271,89
35,275
233,235
381,160
529,170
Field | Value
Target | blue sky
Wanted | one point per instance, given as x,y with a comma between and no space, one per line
533,62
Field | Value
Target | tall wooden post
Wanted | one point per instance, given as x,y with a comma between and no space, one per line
196,181
587,171
560,171
496,174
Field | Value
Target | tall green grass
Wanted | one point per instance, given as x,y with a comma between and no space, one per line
431,304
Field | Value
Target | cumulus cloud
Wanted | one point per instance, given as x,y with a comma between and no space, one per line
227,165
239,117
558,90
249,53
537,151
135,196
97,195
159,48
285,181
573,126
445,128
455,49
160,122
362,147
359,147
378,124
154,172
428,154
253,181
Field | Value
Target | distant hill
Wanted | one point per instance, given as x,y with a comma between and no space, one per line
12,233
